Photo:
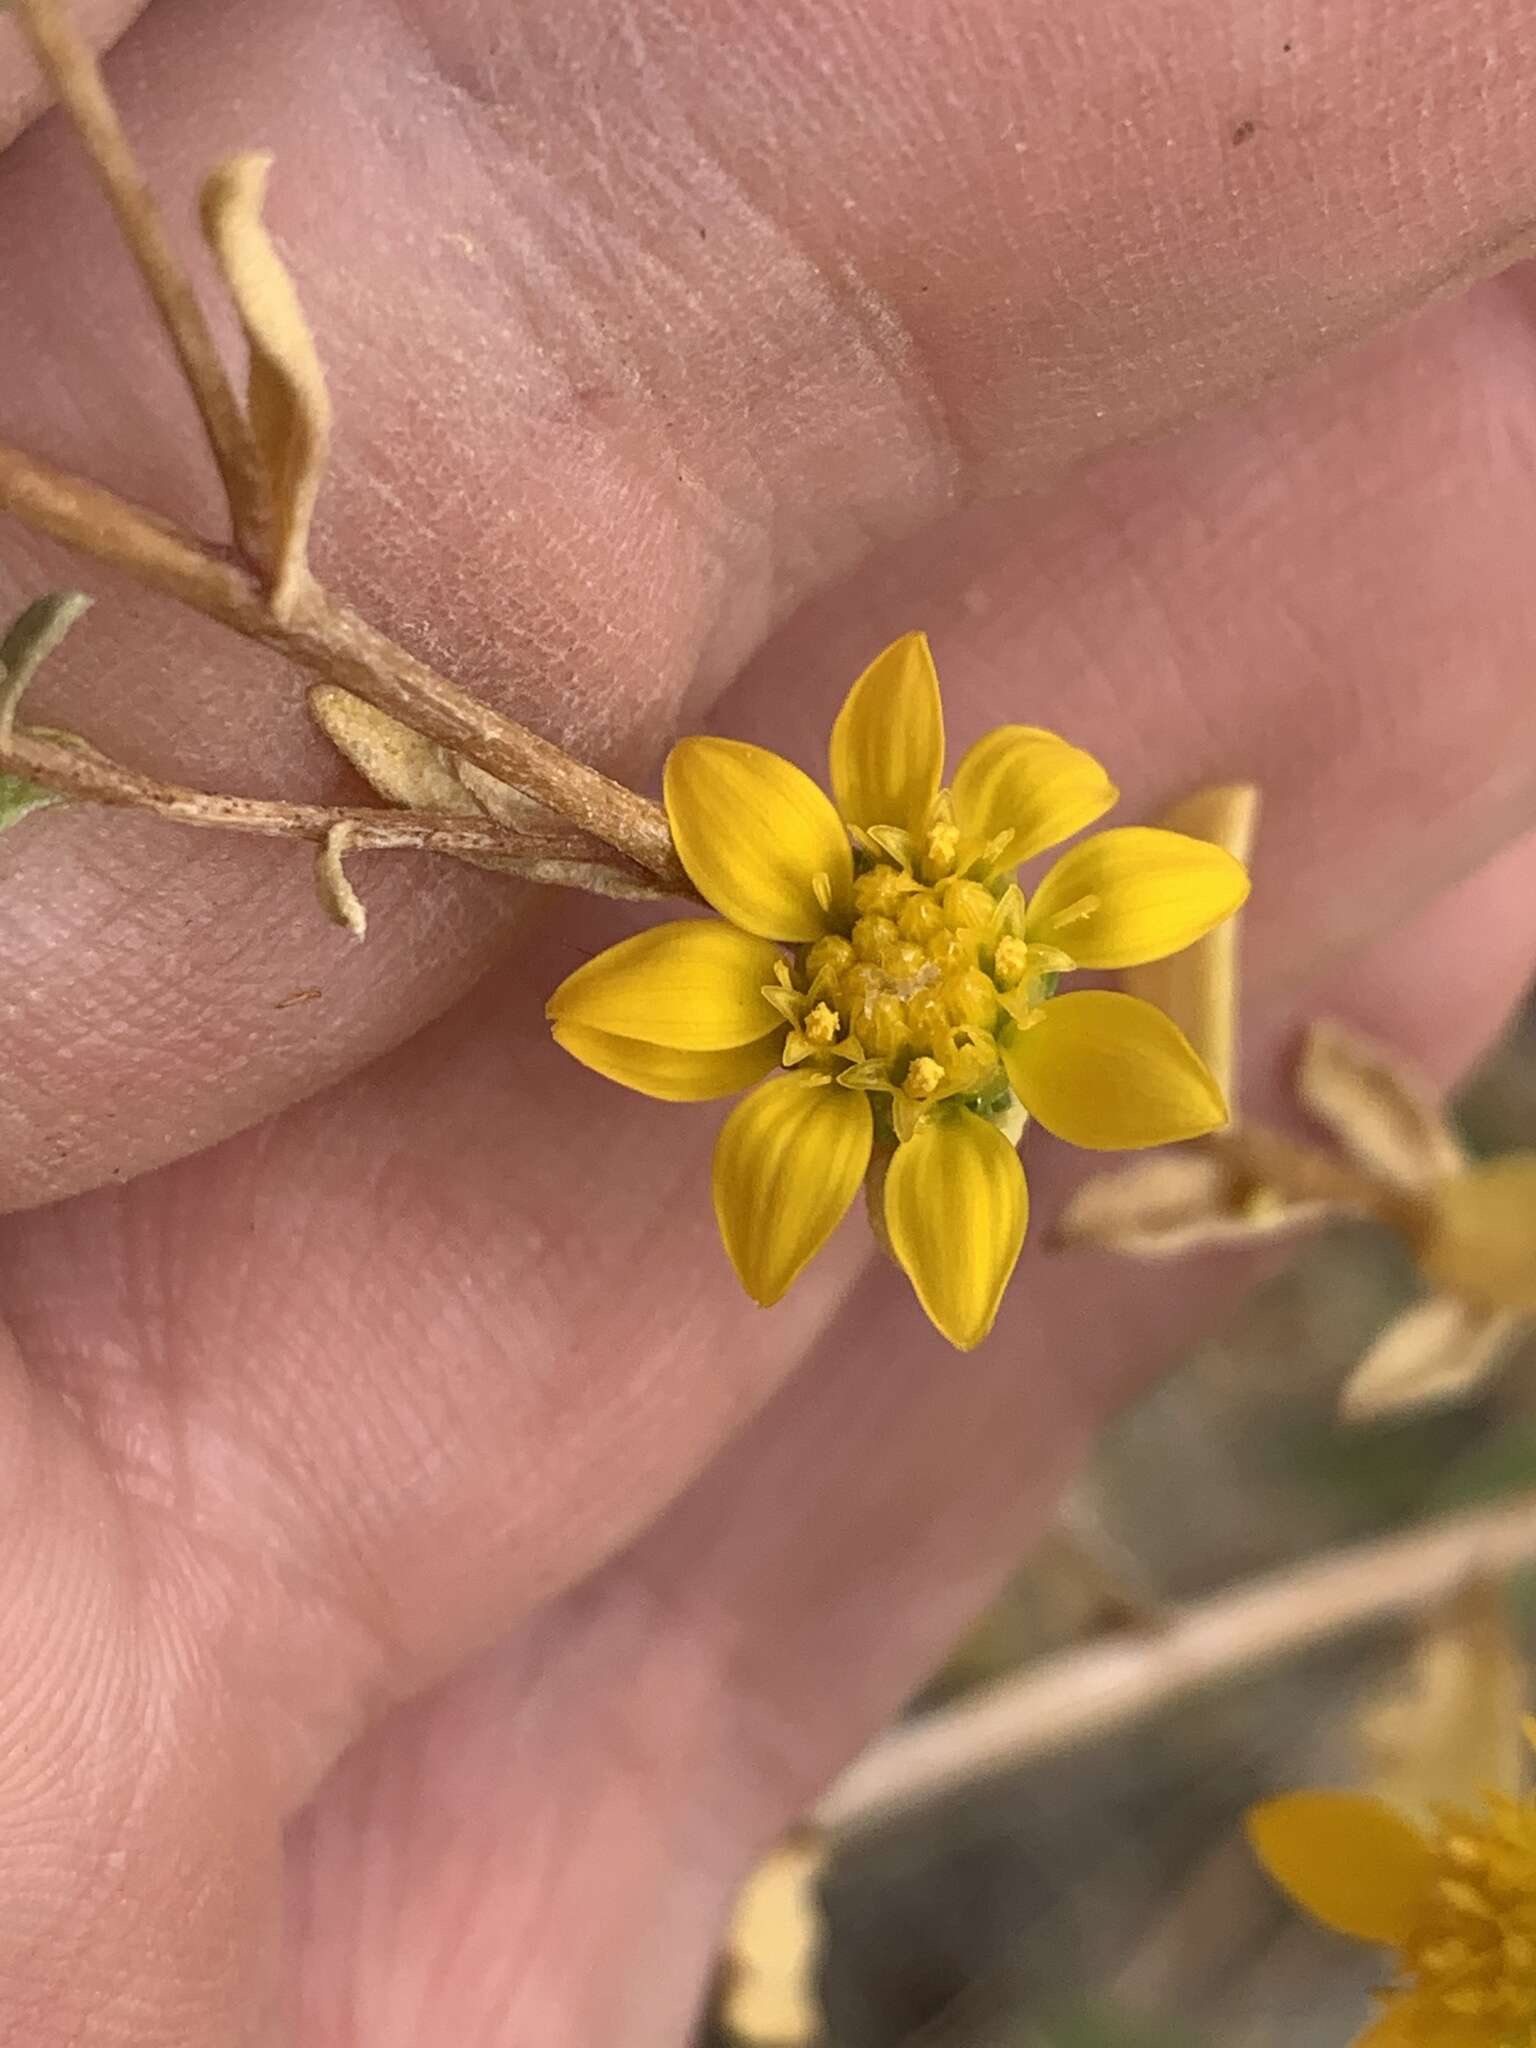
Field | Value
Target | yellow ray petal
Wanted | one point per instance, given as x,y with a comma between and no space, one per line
1347,1859
1031,783
1482,1241
887,753
1135,893
754,832
774,1946
1109,1071
667,1072
1436,1352
1199,988
695,984
1398,2027
956,1207
788,1162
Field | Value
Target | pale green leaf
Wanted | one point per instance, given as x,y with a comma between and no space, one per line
28,644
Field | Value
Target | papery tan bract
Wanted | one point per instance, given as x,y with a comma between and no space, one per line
1172,1203
1379,1105
402,765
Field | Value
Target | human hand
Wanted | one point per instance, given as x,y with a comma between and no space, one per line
413,1550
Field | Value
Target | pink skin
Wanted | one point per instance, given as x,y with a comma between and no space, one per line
407,1472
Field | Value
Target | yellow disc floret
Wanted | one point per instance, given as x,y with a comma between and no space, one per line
908,1001
1469,1966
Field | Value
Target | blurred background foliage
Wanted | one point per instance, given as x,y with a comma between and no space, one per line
1104,1897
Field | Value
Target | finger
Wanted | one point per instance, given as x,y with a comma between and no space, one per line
637,404
364,1388
807,1585
436,1318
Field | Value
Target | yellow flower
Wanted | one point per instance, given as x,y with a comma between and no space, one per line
878,959
1470,1224
1456,1900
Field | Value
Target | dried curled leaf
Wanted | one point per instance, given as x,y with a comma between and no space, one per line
1435,1353
1452,1731
1199,987
340,900
1191,1199
499,800
773,1948
399,763
28,644
1381,1108
286,398
416,772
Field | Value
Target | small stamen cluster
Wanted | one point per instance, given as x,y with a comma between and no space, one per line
912,1000
1471,1961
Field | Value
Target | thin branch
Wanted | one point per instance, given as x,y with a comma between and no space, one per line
110,529
70,64
568,859
1307,1174
333,643
1086,1692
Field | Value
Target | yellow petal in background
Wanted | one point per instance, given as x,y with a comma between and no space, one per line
1437,1352
1399,2026
287,402
1199,987
1382,1109
773,1948
1481,1242
664,1071
956,1207
1346,1858
887,753
1110,1072
754,832
788,1161
1031,783
1135,893
696,984
1450,1731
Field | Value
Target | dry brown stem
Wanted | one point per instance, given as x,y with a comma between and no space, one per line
236,587
332,642
562,858
1084,1693
70,64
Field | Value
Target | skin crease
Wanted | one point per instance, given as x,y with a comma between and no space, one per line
386,1476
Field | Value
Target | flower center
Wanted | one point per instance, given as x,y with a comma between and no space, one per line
1472,1958
913,998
